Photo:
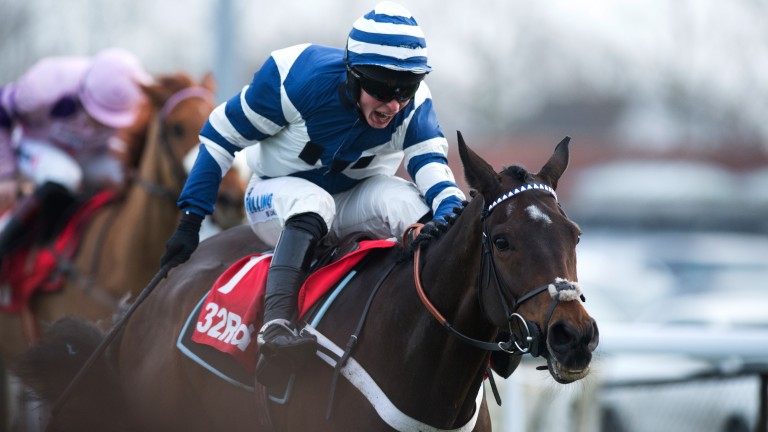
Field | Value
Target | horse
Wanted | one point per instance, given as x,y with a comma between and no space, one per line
420,322
121,244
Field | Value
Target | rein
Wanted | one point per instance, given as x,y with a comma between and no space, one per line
559,290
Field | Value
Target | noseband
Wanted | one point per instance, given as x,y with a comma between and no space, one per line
529,339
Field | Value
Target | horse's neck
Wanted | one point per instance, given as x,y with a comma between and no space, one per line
155,166
449,271
148,218
450,267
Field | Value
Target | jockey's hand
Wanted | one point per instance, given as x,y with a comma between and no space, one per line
184,241
9,189
430,231
455,213
435,228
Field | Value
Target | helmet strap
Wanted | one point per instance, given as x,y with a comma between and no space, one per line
353,87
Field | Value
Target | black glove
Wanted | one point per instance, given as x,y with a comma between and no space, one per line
434,228
183,242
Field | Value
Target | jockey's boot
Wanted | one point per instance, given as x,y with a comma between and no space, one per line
287,271
50,198
17,228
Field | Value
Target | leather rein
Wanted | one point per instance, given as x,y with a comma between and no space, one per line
532,340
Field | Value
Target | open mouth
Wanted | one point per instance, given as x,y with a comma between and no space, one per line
563,375
382,115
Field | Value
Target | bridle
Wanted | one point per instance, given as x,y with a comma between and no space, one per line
176,167
527,338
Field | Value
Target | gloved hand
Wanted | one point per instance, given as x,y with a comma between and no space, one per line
434,228
455,213
438,225
184,241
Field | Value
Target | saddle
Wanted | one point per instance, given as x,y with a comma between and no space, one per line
220,333
37,266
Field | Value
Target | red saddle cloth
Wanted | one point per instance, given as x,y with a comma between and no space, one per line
33,269
233,310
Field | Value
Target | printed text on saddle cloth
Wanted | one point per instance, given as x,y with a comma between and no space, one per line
234,308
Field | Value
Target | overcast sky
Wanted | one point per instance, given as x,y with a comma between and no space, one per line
665,71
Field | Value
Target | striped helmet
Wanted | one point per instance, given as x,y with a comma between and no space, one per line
389,37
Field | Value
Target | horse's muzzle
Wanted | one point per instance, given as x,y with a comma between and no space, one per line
570,349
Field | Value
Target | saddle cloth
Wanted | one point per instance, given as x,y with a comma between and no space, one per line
32,269
232,311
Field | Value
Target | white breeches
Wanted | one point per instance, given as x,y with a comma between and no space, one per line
42,162
382,205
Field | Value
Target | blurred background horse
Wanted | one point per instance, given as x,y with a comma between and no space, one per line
120,245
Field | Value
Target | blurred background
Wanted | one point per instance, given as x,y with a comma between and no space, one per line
667,106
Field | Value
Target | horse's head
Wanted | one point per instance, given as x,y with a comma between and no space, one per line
181,107
529,272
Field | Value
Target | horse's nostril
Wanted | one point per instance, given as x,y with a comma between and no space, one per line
595,337
562,335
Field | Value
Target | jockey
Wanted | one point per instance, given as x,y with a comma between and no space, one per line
325,130
56,122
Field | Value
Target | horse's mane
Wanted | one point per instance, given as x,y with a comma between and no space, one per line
518,173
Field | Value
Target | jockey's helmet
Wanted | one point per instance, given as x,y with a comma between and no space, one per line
386,54
110,90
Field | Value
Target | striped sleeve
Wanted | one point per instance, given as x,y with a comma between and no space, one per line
252,115
426,160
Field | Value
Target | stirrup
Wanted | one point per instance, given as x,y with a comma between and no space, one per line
280,335
280,322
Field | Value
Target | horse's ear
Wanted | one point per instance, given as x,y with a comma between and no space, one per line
209,82
556,165
478,173
156,93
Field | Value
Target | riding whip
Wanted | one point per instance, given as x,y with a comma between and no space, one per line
109,338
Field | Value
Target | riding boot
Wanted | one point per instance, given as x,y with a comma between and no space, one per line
57,204
287,271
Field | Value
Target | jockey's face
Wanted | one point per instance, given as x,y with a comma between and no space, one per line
378,114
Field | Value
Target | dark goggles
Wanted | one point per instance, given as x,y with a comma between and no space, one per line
383,91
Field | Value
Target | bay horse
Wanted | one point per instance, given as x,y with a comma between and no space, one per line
121,245
423,327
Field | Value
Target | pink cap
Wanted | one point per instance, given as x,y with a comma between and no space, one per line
110,91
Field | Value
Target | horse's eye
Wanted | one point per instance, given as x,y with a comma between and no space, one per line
501,243
578,238
178,130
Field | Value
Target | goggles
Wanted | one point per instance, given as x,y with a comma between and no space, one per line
383,91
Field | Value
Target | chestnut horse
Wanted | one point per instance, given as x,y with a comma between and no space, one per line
424,325
121,246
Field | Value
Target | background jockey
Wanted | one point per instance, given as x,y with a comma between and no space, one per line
55,125
326,130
